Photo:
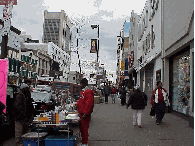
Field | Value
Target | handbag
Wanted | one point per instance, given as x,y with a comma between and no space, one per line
152,111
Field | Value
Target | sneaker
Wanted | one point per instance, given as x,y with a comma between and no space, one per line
134,125
139,126
84,145
157,123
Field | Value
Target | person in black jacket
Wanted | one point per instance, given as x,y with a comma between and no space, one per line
123,95
22,113
138,101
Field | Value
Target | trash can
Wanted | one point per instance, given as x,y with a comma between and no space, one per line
59,140
31,139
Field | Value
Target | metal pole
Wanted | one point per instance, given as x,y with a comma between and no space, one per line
77,49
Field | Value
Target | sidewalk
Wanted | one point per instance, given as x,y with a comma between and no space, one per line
111,125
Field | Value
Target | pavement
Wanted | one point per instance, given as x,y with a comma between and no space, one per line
111,125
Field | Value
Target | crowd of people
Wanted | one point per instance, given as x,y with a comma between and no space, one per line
23,107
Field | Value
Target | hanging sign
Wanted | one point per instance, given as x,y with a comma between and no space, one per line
93,46
3,80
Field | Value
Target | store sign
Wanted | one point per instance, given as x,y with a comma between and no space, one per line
122,65
122,74
5,2
3,80
131,59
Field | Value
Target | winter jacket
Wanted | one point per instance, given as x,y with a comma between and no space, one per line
114,91
19,107
107,90
137,100
86,101
123,93
159,95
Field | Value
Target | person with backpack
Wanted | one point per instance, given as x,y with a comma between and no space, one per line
138,101
158,101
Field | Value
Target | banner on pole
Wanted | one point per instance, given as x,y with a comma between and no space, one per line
93,46
3,80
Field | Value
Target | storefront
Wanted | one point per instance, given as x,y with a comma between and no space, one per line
180,81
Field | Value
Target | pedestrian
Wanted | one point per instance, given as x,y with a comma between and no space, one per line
107,91
2,121
123,92
158,101
85,108
113,94
21,112
29,101
138,101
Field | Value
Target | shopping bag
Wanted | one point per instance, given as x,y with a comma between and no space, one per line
152,111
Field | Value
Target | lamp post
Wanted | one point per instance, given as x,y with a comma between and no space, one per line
97,26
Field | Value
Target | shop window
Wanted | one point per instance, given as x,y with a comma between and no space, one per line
181,83
158,75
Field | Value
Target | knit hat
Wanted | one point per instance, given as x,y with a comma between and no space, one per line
84,81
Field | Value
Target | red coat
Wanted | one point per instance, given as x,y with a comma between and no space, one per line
160,96
86,102
113,91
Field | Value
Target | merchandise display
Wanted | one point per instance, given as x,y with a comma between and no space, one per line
181,83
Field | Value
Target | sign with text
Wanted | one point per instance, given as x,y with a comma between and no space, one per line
3,80
5,2
122,65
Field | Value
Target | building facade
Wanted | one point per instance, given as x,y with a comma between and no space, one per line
62,59
56,29
164,50
178,55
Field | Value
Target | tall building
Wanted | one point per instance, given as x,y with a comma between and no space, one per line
56,29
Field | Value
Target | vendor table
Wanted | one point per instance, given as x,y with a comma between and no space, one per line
46,124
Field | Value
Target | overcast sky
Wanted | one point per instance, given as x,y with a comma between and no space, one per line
110,15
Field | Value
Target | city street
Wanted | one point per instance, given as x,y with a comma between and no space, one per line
111,125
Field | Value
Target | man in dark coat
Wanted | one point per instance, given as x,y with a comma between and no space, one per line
138,101
123,95
21,111
107,91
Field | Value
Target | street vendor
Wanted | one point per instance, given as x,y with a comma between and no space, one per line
85,108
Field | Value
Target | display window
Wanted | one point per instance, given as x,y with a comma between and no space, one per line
181,83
